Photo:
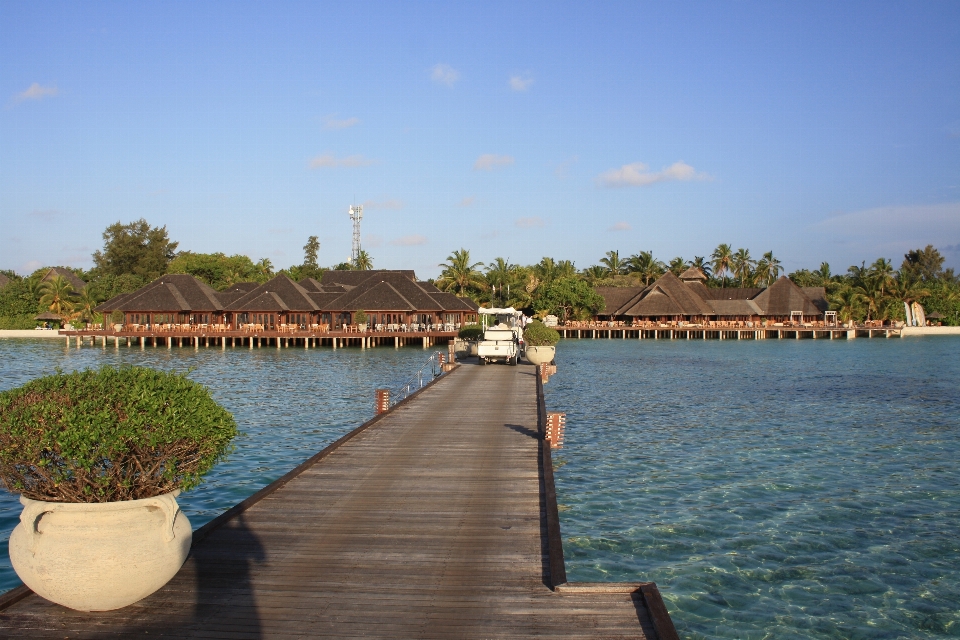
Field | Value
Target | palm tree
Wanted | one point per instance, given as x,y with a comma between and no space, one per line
263,269
613,263
55,295
742,265
565,269
85,302
768,269
847,302
823,275
594,273
883,272
722,261
646,266
458,272
678,265
699,262
363,262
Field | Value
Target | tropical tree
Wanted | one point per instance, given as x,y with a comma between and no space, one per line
823,275
678,265
645,266
883,273
568,298
55,296
615,266
722,262
135,248
768,270
847,302
363,262
701,263
742,265
923,264
501,274
459,273
84,303
594,273
263,270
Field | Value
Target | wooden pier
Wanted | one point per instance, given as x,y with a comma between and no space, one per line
698,332
256,339
436,519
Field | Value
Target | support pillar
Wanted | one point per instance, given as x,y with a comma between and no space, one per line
169,343
383,401
396,342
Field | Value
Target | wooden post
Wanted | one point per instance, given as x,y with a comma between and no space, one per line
383,401
396,342
556,421
169,342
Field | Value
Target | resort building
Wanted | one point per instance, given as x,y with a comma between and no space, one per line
72,279
687,299
391,300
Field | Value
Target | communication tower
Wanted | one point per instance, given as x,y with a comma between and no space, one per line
356,214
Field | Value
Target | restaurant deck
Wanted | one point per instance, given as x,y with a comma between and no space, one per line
699,332
437,519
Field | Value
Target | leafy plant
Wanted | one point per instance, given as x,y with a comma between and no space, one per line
360,317
470,332
116,317
109,434
537,334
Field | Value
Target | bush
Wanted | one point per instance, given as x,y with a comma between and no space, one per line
109,434
470,332
360,317
116,317
536,334
17,322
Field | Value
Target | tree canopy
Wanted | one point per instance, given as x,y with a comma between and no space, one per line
135,248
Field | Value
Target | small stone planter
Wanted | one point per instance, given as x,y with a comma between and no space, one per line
540,355
99,556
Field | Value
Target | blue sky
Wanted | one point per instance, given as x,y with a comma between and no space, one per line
821,131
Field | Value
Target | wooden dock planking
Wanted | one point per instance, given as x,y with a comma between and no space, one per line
435,520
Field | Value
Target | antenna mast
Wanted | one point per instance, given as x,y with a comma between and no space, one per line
356,214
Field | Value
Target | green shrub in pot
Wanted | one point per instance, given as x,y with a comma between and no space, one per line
99,457
536,334
470,332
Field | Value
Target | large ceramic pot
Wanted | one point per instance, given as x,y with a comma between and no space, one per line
99,556
540,355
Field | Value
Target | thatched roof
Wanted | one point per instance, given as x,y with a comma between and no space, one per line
614,298
67,275
48,315
783,297
669,296
279,294
169,293
693,274
735,307
353,278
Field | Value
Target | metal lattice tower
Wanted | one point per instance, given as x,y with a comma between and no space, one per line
356,214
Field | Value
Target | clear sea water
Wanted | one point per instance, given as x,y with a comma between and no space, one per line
772,489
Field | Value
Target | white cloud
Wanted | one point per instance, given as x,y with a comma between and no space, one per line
444,74
409,241
467,202
392,203
491,161
327,160
372,240
637,174
620,226
532,222
520,83
331,122
36,92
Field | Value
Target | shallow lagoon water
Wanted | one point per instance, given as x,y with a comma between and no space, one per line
289,404
772,489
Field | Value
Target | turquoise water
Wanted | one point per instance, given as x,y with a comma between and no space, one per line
289,404
772,489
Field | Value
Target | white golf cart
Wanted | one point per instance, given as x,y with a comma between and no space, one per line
502,336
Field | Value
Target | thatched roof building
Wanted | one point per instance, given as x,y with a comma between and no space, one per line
72,279
688,298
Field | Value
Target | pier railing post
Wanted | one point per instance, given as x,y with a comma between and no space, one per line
556,421
383,400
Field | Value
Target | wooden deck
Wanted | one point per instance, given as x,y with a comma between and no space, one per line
697,332
437,519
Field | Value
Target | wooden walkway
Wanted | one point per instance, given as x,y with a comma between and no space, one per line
697,332
435,520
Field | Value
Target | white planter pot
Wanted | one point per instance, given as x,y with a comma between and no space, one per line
472,349
99,556
362,328
540,355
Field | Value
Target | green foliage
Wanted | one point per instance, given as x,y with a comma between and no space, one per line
360,317
18,322
470,332
537,334
104,287
460,274
20,297
569,298
216,269
135,248
109,434
116,317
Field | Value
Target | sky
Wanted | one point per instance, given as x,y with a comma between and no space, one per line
820,131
